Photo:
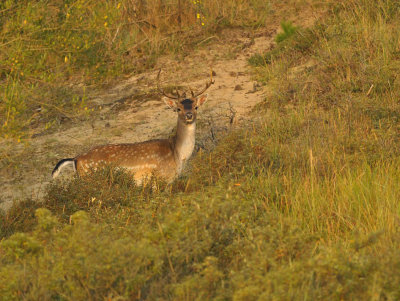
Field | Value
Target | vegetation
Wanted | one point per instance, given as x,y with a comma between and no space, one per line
288,30
302,205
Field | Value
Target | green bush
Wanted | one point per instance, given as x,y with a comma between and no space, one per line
288,30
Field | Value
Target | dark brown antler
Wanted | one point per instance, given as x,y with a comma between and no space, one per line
162,91
191,92
206,87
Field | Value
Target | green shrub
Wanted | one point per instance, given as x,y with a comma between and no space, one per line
288,30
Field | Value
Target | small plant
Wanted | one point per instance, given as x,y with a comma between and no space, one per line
298,43
199,12
288,31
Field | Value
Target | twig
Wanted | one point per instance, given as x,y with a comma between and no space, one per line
232,114
179,15
116,33
370,89
205,40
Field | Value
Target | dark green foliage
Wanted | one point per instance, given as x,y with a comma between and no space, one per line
288,30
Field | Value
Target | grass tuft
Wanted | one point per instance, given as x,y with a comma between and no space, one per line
288,30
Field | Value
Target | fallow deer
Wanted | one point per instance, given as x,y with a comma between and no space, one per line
165,158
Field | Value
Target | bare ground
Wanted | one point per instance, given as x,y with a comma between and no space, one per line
131,111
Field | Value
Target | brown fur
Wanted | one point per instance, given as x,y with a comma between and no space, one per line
139,158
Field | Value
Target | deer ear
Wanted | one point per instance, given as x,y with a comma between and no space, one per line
170,103
202,99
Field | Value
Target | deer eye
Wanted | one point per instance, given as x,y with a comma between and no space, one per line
178,109
196,108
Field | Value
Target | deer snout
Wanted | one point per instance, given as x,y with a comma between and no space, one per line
189,116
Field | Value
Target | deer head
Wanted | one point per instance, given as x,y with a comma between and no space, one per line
184,106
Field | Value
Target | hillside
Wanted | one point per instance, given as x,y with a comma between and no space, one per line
293,191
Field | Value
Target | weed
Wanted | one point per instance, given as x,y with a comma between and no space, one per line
288,30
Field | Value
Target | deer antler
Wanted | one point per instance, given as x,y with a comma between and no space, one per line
191,92
206,87
163,92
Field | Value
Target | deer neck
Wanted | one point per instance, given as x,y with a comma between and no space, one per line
184,142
